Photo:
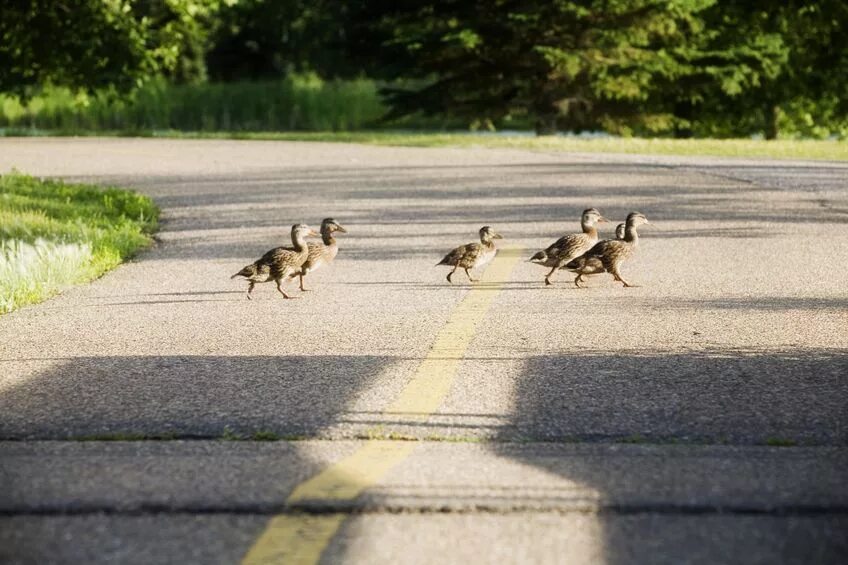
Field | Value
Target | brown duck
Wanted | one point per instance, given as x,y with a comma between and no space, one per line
608,255
280,263
472,255
570,246
323,253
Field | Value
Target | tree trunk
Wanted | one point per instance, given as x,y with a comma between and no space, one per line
684,111
772,114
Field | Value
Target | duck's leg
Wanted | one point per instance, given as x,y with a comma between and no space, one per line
280,288
302,288
578,279
469,275
548,277
250,286
617,277
455,267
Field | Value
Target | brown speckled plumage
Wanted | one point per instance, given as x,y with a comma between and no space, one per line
472,255
570,246
323,253
280,263
607,256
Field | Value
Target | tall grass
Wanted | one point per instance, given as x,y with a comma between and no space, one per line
54,234
298,103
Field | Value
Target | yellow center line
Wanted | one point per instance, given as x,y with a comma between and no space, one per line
301,538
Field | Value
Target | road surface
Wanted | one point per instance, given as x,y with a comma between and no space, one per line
699,417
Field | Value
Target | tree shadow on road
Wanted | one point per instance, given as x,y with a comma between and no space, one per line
194,396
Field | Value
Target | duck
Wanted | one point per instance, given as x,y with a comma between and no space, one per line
472,255
570,246
607,256
323,253
280,263
619,231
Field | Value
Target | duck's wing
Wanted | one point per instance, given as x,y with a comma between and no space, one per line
569,246
273,255
316,251
454,256
592,260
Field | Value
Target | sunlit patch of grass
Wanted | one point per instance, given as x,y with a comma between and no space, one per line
822,149
54,234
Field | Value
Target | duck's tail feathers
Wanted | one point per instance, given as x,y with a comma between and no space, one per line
246,272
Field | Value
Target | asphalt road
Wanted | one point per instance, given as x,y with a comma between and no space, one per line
700,417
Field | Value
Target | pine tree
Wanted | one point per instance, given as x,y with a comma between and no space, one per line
568,65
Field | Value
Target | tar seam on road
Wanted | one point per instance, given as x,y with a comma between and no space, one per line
301,538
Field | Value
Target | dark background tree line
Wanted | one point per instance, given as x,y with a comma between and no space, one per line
673,67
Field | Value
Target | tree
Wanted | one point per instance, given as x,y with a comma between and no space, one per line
567,64
807,90
269,38
90,44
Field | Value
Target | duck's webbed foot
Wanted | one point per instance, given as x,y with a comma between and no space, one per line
577,280
548,277
469,276
303,288
250,289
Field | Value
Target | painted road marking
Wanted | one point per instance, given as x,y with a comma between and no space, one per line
301,538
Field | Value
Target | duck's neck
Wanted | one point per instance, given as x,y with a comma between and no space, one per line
630,235
299,242
487,242
590,229
327,237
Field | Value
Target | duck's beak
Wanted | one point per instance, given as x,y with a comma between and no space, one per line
313,233
341,229
497,236
601,220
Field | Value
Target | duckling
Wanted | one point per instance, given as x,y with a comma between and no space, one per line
619,231
607,256
280,263
472,255
570,246
321,254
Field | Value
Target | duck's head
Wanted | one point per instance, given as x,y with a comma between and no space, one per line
488,234
329,225
619,231
300,231
591,216
636,219
541,257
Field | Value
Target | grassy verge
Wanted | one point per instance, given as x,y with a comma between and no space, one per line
54,234
833,150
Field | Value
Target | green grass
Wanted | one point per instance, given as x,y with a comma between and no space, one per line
297,103
54,234
781,149
833,150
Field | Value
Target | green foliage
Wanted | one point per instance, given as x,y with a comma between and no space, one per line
263,39
53,234
804,91
302,102
571,65
89,44
687,68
